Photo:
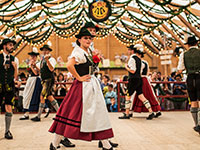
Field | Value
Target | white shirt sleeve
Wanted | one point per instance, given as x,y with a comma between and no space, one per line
17,62
38,64
132,64
181,65
78,54
53,62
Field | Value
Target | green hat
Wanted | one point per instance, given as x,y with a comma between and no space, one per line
5,41
91,25
45,46
83,32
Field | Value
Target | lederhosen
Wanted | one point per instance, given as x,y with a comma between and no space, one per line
135,80
7,86
192,65
47,79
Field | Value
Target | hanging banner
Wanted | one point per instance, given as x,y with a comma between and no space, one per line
100,10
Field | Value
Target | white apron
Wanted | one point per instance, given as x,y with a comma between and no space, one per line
95,115
28,91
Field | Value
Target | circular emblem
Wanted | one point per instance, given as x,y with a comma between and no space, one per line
100,10
162,2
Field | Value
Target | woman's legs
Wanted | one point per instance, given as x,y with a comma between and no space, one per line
106,144
56,140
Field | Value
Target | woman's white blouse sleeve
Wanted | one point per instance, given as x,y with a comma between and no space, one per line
78,54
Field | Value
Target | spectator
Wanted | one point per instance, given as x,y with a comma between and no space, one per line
104,84
123,91
171,78
124,58
159,76
110,96
60,89
68,78
166,89
113,106
179,89
20,86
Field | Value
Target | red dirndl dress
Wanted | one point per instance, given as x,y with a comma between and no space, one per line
68,118
149,94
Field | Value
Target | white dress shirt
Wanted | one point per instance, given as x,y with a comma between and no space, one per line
181,65
16,60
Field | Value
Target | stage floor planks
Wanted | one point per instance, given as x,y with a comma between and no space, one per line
172,131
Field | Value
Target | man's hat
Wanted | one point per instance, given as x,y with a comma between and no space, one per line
83,32
5,41
191,40
45,46
91,25
34,52
132,47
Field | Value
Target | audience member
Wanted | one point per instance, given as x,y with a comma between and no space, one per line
110,95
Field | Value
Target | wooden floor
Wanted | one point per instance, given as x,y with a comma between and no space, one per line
172,131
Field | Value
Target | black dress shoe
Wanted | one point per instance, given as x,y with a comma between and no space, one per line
124,117
66,142
36,119
158,114
52,147
130,115
24,118
111,143
8,135
107,149
47,114
151,116
197,128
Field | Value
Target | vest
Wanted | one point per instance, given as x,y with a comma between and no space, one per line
137,73
45,72
192,60
83,69
6,76
145,70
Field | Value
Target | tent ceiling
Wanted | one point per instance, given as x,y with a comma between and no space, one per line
157,24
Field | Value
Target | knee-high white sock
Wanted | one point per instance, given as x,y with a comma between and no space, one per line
198,117
8,118
194,112
56,140
54,103
41,108
106,144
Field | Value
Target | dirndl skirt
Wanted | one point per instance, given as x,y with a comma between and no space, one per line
149,94
68,118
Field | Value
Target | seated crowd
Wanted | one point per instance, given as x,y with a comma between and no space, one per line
109,89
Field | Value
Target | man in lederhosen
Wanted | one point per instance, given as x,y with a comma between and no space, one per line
190,60
46,67
134,68
8,72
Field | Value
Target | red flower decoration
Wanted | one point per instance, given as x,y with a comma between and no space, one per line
28,69
96,59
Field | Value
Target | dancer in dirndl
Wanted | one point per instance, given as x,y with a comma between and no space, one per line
82,114
134,68
32,90
138,105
